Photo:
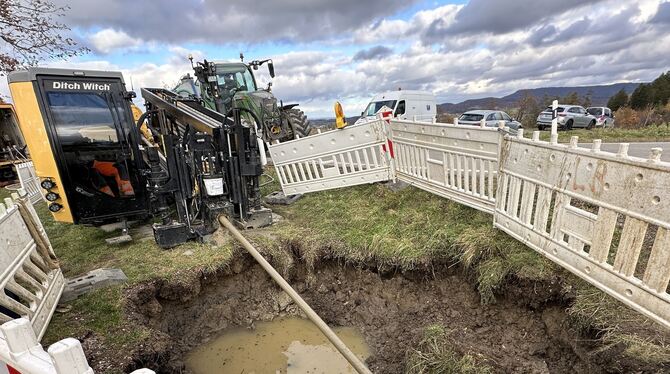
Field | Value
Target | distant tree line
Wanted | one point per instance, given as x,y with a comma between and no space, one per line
648,104
647,95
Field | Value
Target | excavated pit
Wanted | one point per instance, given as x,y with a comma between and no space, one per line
524,333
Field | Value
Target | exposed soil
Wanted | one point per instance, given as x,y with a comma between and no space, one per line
522,334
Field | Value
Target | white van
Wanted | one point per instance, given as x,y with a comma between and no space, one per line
409,104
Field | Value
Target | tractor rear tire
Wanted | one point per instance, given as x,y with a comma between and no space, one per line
299,122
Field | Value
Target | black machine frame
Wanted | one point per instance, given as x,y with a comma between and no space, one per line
201,148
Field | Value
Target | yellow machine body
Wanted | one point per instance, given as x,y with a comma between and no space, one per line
34,132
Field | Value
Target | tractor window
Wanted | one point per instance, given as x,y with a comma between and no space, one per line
238,78
82,118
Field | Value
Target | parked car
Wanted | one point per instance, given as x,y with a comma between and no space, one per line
492,118
406,104
604,115
569,117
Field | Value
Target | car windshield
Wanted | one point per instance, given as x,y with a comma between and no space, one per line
470,117
595,111
549,109
234,78
374,107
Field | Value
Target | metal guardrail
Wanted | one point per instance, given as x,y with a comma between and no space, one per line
332,159
603,216
456,162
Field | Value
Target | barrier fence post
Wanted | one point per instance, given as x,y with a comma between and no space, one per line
554,122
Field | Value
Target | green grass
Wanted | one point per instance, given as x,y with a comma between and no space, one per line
410,229
655,133
617,324
434,355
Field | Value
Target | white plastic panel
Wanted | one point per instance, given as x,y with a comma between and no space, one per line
603,216
454,161
29,288
29,181
336,158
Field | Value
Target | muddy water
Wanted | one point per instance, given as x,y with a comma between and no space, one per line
285,345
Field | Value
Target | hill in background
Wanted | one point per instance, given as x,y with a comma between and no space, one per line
599,97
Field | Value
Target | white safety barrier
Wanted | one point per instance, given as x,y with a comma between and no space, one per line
21,353
603,216
456,162
30,286
337,158
29,180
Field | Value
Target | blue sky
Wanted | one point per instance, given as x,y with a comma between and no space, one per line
349,50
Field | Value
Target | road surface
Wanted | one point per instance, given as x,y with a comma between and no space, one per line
636,149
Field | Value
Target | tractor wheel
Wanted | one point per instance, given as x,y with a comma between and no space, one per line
299,122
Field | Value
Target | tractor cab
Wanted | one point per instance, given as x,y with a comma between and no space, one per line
222,86
233,78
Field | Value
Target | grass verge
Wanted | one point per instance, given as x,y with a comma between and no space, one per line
410,229
655,133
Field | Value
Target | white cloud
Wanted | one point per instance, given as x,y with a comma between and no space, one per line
614,42
109,40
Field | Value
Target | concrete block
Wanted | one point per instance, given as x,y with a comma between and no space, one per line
278,198
93,280
396,186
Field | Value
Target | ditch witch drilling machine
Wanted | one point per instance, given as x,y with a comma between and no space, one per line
179,163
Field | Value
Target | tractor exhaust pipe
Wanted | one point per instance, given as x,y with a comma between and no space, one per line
311,314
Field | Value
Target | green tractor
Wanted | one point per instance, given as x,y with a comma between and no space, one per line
222,86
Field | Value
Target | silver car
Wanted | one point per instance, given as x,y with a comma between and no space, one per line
604,116
569,117
492,118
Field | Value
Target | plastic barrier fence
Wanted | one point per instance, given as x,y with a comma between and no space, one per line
456,162
603,216
31,282
29,181
338,158
20,352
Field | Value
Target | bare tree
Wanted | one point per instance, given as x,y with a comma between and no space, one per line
528,109
30,32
